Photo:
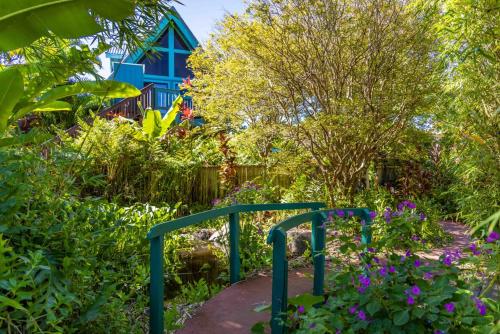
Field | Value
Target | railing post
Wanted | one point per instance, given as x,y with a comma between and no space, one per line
156,288
318,236
234,247
366,229
280,282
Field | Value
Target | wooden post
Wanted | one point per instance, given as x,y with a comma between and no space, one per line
318,236
234,247
280,282
156,288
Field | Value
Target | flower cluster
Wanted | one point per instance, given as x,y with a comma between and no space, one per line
364,281
412,293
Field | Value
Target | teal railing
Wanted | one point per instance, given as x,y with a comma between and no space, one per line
277,237
155,236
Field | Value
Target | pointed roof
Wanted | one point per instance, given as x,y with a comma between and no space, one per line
171,18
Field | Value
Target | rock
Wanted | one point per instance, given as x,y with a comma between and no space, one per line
203,234
199,263
299,241
221,235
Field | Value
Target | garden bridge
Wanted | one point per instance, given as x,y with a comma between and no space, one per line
231,311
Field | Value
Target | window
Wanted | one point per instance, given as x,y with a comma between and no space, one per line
155,63
181,71
163,41
179,42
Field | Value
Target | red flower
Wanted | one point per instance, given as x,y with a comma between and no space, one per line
187,113
186,83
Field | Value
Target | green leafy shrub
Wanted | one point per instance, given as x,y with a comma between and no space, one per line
134,167
70,264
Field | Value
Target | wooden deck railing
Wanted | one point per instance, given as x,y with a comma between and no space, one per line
129,108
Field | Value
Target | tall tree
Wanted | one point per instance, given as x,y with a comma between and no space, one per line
338,78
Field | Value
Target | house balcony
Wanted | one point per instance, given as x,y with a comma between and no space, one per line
152,96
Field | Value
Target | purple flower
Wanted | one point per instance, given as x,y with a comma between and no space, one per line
480,306
474,250
215,201
392,269
494,236
353,309
417,263
351,213
447,260
396,214
383,271
410,300
312,325
408,253
437,331
340,213
422,216
373,214
301,309
401,206
415,290
428,275
415,238
361,315
330,216
376,260
371,249
387,215
410,205
362,222
449,307
364,280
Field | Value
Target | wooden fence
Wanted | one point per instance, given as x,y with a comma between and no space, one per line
207,185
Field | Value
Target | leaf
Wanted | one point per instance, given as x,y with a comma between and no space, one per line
54,106
107,88
258,328
307,300
95,309
171,114
373,307
152,123
12,303
23,139
25,21
262,308
12,85
401,318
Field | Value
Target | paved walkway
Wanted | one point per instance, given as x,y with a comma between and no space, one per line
460,241
232,310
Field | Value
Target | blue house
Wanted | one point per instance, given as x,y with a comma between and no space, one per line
157,69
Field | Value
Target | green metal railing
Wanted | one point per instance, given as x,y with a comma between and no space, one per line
277,237
155,236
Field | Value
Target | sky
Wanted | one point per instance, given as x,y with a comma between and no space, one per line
200,15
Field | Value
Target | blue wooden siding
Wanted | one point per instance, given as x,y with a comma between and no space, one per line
131,73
